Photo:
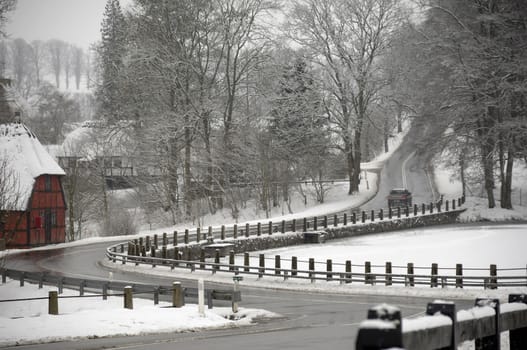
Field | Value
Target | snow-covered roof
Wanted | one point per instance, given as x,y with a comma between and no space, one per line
95,139
25,159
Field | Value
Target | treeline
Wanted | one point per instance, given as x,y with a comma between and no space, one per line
234,104
29,64
465,66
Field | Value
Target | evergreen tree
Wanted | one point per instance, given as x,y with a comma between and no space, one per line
111,52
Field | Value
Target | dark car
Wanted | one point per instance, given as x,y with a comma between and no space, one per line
399,197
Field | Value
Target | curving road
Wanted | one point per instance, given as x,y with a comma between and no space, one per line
309,321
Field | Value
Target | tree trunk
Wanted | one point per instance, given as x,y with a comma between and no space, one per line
506,186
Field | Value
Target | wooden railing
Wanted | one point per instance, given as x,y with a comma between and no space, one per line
444,328
104,286
351,217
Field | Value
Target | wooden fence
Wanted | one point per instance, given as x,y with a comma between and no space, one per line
210,233
105,286
343,273
445,328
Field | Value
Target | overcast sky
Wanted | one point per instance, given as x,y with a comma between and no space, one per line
74,21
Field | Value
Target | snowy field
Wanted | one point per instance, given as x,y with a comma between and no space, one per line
26,322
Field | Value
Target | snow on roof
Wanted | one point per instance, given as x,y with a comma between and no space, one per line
25,159
95,139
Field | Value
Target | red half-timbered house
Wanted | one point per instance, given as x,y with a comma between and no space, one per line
32,203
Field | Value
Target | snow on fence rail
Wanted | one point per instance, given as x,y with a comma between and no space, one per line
104,286
444,328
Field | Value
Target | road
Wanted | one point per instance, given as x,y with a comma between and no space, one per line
309,321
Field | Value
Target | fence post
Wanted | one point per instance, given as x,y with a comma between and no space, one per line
447,309
293,225
153,255
446,205
156,296
222,233
363,216
304,225
390,212
210,235
165,240
407,211
231,260
423,208
277,264
294,266
82,284
186,236
381,214
282,229
261,270
177,295
335,220
398,212
382,329
459,275
258,229
246,262
41,280
235,231
325,221
315,223
518,337
4,276
198,234
156,241
415,209
270,227
367,273
216,260
410,274
329,269
493,277
164,252
128,299
354,218
22,278
431,208
348,271
433,278
202,258
60,285
53,302
105,291
345,219
453,204
312,269
388,277
174,238
247,229
492,341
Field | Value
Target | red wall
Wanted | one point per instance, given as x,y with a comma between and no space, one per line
46,209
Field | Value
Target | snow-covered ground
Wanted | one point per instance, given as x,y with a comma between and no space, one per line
474,247
26,322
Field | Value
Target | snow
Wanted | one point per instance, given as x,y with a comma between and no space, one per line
27,159
425,322
474,246
94,317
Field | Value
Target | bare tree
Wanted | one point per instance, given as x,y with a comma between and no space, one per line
6,6
56,49
37,59
10,201
346,39
78,65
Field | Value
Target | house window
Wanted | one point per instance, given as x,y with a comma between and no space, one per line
117,162
53,218
47,183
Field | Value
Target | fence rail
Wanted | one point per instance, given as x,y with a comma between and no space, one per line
147,251
210,233
444,328
104,286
